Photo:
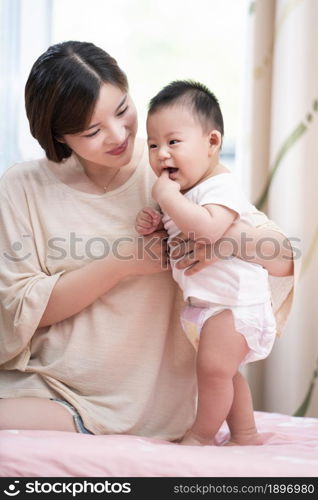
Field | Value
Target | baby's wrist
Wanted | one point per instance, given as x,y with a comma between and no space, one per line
165,196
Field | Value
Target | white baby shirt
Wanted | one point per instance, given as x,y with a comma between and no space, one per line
230,281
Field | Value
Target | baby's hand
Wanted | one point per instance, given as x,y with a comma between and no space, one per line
163,186
148,221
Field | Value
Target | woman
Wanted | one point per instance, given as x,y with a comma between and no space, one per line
91,337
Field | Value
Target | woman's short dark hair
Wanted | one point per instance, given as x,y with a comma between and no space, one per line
62,90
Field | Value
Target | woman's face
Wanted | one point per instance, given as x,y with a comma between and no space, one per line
109,139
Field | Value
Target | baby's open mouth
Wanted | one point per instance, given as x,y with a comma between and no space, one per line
171,170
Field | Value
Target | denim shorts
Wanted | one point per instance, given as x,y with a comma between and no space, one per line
78,422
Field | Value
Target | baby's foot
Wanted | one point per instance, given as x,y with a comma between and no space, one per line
252,439
191,439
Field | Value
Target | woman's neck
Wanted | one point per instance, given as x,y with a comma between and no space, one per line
106,178
73,174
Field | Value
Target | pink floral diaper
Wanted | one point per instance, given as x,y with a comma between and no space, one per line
255,322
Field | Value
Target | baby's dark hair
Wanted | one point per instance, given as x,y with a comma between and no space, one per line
202,101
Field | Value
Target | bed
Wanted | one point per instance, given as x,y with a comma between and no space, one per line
290,450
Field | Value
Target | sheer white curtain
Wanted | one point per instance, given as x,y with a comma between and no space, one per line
24,34
145,36
9,62
278,149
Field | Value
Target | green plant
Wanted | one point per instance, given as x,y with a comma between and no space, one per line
301,412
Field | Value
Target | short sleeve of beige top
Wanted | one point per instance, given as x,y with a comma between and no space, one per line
123,361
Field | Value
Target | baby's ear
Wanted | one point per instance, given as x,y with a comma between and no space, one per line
215,139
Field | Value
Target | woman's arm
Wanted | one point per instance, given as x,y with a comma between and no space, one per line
78,289
260,245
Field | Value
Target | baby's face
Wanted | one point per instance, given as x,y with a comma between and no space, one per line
178,143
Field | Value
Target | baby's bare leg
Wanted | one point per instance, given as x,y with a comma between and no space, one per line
221,351
35,414
241,416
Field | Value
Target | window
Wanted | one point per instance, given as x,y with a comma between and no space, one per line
24,34
154,43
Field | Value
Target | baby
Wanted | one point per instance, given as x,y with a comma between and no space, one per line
228,316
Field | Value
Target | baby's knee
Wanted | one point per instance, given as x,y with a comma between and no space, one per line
214,369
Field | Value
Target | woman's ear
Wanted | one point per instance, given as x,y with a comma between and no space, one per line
59,139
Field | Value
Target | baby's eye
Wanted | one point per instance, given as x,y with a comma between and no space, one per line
152,146
173,141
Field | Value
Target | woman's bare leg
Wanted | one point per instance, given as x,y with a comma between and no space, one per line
35,414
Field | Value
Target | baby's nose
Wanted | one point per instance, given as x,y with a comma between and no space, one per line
163,153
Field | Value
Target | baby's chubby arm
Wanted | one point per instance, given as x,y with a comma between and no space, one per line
148,221
208,222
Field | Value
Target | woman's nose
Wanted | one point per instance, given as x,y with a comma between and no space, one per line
114,135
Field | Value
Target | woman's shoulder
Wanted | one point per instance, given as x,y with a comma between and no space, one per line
25,173
22,177
23,169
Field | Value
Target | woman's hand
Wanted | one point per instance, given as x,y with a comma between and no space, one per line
270,249
145,255
196,255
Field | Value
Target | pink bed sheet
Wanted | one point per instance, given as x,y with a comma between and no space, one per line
292,450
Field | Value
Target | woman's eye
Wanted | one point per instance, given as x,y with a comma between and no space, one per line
122,111
92,134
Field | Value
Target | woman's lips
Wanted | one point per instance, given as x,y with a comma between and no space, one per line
119,150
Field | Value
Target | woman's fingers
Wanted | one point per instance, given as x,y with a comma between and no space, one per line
181,247
193,255
196,267
199,256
